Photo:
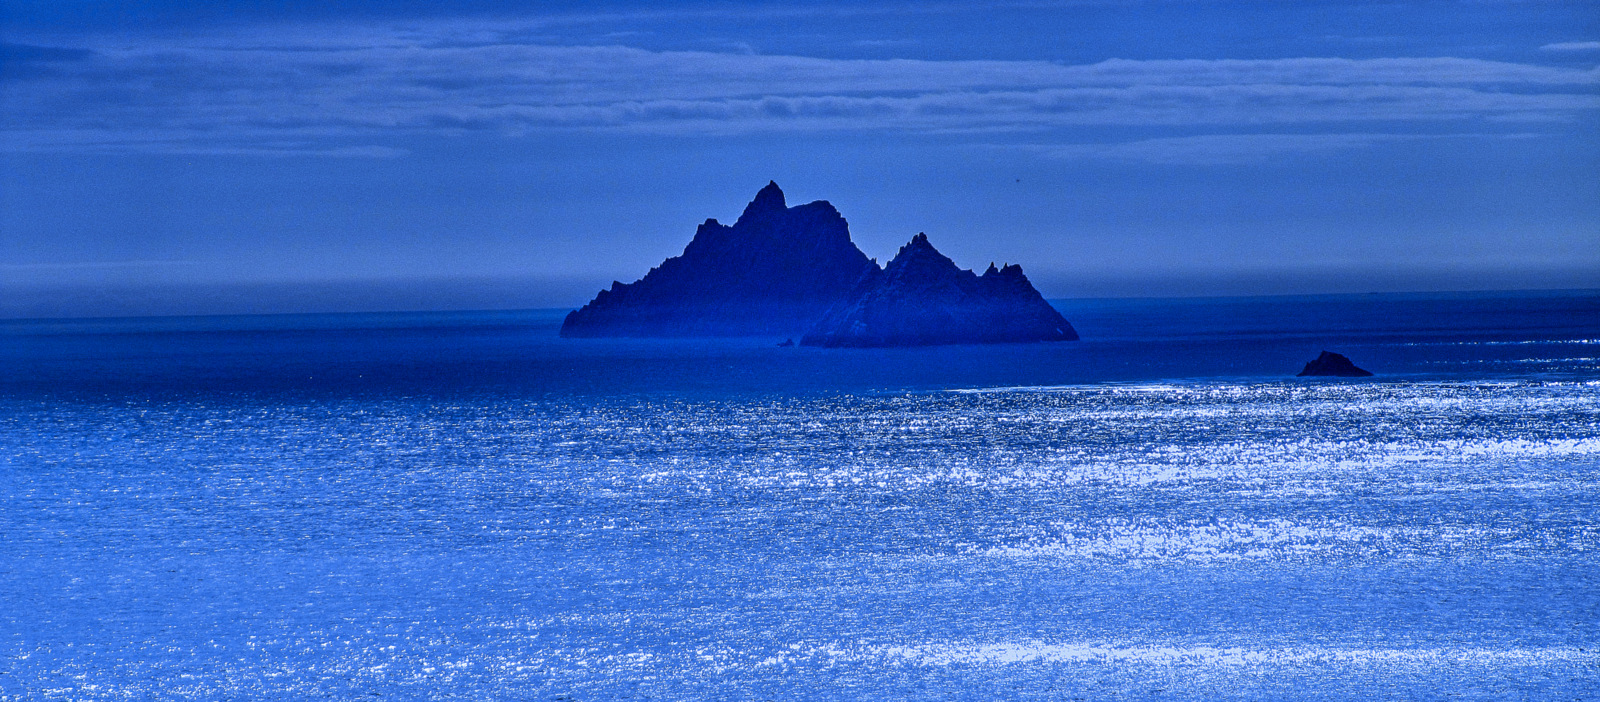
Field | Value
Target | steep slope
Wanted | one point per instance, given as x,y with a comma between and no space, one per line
923,298
774,272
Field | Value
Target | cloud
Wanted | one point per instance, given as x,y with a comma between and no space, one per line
292,91
883,43
14,53
1572,46
14,276
1228,149
179,143
90,265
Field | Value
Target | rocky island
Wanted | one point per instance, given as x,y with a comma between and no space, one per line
793,271
773,273
1333,364
923,298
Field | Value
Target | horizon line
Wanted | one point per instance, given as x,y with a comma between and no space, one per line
1578,291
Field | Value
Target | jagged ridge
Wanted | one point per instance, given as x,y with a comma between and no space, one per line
923,298
774,272
781,271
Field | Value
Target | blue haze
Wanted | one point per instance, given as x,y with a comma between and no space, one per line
463,506
495,157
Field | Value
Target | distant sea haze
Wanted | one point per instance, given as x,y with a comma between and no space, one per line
86,297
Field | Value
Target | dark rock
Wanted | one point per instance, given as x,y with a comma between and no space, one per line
786,343
774,272
1333,364
923,298
783,270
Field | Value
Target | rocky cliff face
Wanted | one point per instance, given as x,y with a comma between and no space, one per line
923,298
774,272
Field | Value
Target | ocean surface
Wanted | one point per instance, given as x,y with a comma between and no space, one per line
462,506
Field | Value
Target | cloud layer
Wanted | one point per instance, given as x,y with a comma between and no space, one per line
292,90
1215,149
1572,46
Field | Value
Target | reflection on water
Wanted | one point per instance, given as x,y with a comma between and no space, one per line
1136,538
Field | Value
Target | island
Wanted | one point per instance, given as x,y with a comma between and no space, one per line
775,272
922,298
793,272
1333,364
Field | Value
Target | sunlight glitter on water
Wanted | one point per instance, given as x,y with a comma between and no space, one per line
1283,539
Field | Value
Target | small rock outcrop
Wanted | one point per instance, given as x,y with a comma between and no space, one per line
922,298
774,272
1333,364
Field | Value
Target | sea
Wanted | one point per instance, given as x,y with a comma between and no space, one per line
464,506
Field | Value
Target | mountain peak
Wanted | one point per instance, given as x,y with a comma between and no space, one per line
919,254
918,247
769,200
775,271
922,297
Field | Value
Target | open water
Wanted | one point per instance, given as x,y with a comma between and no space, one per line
464,507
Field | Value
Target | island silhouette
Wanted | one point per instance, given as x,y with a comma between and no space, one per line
1333,364
793,271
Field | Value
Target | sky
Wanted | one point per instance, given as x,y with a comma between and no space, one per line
228,156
